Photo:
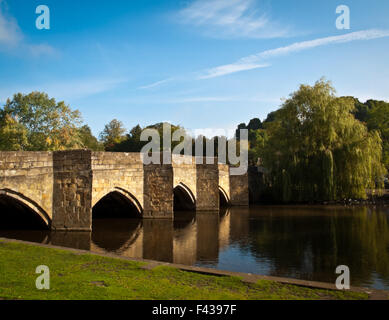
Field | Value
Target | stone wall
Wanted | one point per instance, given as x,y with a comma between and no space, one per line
184,172
122,172
224,179
239,190
62,187
158,191
207,187
28,177
72,190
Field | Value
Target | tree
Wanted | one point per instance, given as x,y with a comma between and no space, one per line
254,124
316,150
256,145
88,140
378,119
132,141
241,126
376,116
256,134
44,123
113,133
13,135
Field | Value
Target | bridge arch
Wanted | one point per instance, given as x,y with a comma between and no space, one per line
28,210
224,199
116,202
184,198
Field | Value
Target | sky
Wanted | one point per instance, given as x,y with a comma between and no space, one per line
197,63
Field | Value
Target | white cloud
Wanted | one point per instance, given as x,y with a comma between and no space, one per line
10,34
231,18
230,68
40,49
13,39
155,84
257,60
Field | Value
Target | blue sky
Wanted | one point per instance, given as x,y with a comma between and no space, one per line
197,63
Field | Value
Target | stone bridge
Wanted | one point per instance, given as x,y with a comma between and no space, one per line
65,189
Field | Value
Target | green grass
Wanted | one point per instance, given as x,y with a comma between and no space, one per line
86,276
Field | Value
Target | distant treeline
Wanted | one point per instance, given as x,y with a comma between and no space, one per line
315,147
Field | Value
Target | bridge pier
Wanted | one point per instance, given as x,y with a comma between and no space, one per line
207,186
158,191
72,191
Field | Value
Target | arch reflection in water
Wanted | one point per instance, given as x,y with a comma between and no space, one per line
119,236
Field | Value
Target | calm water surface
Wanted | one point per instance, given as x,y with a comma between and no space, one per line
298,242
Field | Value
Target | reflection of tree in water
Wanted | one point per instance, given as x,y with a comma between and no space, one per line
370,241
310,242
115,235
240,227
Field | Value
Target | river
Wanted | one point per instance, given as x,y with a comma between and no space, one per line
304,242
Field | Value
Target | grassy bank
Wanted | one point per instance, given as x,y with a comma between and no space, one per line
86,276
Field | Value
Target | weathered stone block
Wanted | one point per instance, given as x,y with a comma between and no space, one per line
72,180
239,190
158,191
207,186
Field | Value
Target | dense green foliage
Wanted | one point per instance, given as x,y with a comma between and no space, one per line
35,122
88,140
132,141
376,116
314,149
85,276
113,134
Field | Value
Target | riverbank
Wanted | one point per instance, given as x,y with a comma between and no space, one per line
79,275
381,199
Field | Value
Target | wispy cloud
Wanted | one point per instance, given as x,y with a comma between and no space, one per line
10,34
156,84
231,18
13,39
230,68
258,60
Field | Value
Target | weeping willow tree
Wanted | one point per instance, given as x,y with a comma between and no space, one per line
316,150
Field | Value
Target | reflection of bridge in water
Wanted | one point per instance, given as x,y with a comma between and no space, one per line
190,238
187,239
